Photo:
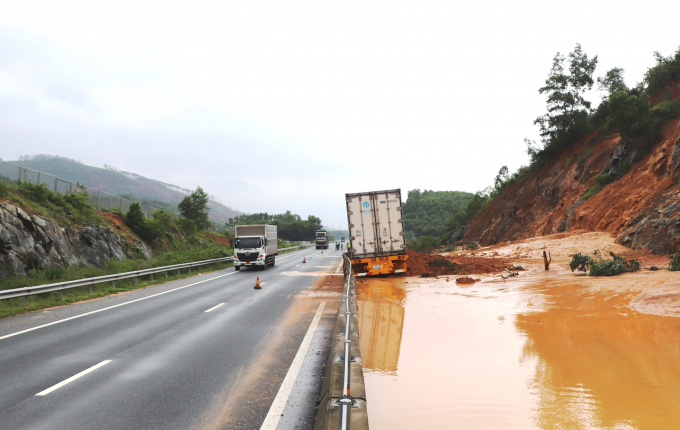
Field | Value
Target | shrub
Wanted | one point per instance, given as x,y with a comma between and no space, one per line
440,262
147,230
425,243
675,262
601,181
580,262
633,266
451,248
653,268
134,218
608,268
627,112
188,226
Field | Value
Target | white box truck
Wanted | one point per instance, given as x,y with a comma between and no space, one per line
376,232
256,246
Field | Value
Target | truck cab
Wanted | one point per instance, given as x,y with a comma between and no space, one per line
321,239
256,246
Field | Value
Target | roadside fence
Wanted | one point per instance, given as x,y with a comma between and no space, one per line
90,282
98,199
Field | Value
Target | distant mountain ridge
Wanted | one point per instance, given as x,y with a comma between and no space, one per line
118,182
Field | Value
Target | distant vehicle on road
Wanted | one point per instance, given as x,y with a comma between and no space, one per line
342,239
255,245
321,239
376,232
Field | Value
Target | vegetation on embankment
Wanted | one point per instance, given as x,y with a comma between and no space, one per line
125,184
32,240
47,276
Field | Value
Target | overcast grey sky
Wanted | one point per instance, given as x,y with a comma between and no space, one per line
278,105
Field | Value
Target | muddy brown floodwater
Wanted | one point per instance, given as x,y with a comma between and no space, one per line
541,351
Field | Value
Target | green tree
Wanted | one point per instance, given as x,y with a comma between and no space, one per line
666,69
612,81
195,207
290,226
134,218
501,178
627,112
567,116
426,212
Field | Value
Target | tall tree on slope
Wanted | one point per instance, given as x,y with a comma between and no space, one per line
195,207
567,117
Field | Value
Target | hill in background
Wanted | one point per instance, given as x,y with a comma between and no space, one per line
427,213
125,184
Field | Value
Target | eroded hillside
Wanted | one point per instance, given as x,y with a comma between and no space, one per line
641,207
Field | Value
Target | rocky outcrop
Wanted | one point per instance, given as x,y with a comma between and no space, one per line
657,228
35,242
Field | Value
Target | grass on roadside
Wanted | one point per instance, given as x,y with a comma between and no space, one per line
47,300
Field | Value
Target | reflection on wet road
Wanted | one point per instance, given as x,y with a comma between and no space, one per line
529,354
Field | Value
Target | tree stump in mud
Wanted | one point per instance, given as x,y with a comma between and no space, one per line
547,259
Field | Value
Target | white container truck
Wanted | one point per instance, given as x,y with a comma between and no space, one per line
256,246
376,232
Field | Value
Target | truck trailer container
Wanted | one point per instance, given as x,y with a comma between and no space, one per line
256,246
376,232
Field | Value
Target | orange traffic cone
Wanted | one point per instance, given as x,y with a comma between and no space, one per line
257,284
304,260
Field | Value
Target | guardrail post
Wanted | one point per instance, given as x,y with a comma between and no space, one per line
61,295
90,289
189,269
136,280
151,276
166,274
25,302
179,272
113,284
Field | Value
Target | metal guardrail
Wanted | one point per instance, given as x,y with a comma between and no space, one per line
61,286
346,400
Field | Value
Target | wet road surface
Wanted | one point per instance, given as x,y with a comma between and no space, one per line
175,358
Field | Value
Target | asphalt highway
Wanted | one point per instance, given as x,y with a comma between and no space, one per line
165,357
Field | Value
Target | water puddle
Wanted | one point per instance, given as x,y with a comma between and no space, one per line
522,354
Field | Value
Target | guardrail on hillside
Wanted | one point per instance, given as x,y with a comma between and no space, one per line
61,286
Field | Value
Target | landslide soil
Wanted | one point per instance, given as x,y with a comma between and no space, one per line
456,263
646,291
548,200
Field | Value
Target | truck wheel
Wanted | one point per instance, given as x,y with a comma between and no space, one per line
263,267
237,268
273,261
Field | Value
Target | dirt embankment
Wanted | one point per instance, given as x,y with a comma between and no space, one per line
642,208
465,263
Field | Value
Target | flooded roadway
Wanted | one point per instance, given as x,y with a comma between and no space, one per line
551,351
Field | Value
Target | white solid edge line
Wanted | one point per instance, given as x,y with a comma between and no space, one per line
214,307
276,409
123,304
72,378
